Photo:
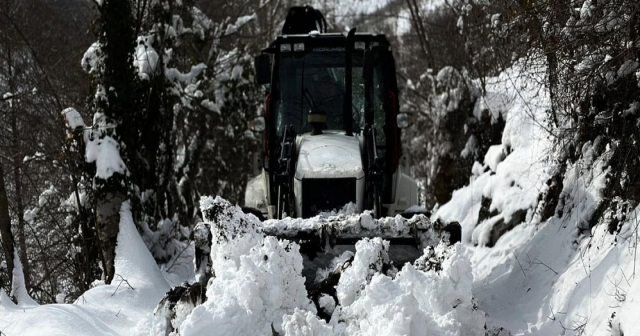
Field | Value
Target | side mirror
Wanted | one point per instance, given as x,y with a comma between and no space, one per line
405,119
257,124
262,63
367,66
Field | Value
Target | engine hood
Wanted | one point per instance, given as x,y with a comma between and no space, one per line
329,155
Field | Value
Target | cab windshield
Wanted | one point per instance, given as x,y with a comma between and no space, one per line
314,82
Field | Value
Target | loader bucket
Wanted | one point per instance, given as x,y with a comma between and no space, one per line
321,238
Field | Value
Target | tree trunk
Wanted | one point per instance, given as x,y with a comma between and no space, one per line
118,43
107,227
5,226
17,176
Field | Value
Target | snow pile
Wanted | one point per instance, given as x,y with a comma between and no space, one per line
257,288
257,279
412,302
371,256
418,303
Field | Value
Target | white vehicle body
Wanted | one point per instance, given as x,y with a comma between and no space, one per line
331,157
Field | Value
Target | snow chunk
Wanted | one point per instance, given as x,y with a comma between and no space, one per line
305,323
632,110
175,74
470,147
92,59
211,106
105,153
371,255
327,303
201,23
73,117
257,279
241,21
146,58
494,156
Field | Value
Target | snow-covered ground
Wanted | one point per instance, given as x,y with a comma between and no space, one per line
541,277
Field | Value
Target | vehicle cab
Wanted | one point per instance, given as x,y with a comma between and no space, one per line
331,132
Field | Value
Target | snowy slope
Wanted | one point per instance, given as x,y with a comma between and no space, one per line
549,277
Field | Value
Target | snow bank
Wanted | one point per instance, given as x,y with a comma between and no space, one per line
514,173
114,309
560,276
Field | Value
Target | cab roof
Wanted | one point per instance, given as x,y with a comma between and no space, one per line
314,40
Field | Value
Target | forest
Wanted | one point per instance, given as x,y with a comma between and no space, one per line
150,102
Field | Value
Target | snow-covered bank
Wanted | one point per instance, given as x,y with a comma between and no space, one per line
561,275
114,309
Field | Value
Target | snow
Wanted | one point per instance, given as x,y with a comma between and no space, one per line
146,58
543,276
18,289
257,279
328,155
73,117
370,257
355,225
515,181
240,22
327,303
627,68
92,59
470,147
114,309
413,302
175,74
105,153
211,106
494,156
